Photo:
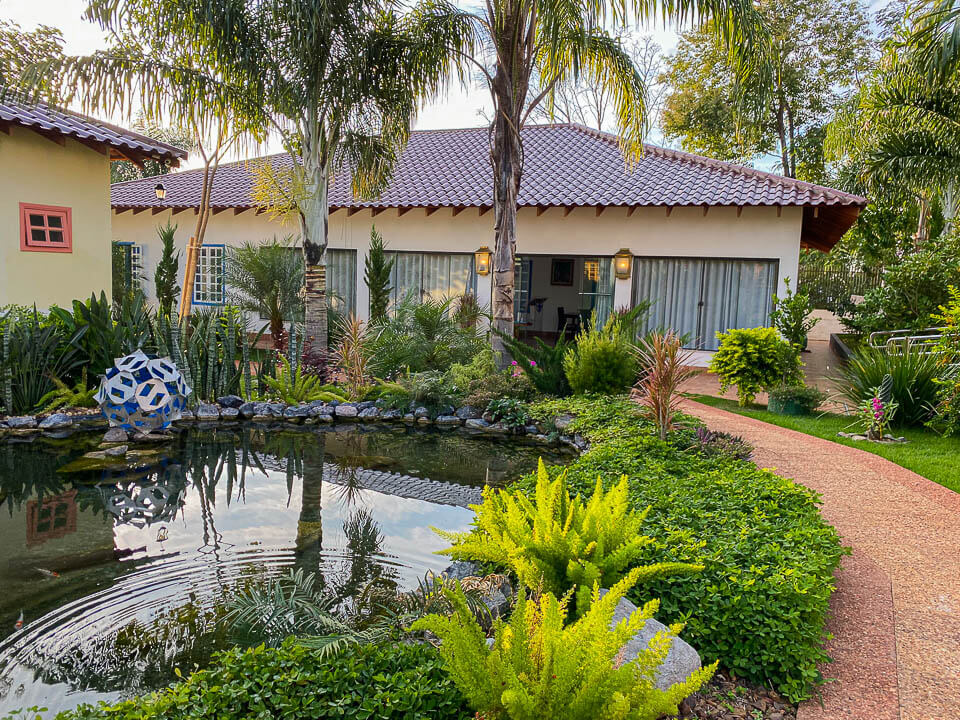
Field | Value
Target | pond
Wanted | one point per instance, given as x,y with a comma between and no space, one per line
112,578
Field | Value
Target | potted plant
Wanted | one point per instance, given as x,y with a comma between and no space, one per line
795,400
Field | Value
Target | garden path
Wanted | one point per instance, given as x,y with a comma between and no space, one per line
896,613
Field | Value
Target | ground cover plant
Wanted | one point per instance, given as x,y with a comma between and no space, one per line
363,682
759,606
926,452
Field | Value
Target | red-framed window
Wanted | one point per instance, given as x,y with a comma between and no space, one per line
45,228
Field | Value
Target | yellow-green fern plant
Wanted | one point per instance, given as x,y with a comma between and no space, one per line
555,543
64,396
293,387
540,668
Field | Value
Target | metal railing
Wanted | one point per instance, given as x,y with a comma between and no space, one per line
898,342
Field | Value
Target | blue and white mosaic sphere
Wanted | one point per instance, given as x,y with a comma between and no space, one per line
142,392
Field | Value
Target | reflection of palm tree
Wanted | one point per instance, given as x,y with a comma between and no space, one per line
310,523
364,544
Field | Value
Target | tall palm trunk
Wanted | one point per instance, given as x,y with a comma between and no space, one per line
313,232
510,84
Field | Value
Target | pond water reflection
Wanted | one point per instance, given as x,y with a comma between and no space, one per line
120,576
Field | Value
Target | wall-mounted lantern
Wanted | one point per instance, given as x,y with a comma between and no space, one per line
622,263
161,191
482,260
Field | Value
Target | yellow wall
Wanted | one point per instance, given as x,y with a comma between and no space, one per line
38,171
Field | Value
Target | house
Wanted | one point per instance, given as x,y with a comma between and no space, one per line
705,242
55,200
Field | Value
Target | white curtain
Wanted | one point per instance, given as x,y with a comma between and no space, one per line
596,288
406,275
432,275
672,285
699,298
342,280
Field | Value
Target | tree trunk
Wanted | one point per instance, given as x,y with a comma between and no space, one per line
507,168
782,137
313,232
923,230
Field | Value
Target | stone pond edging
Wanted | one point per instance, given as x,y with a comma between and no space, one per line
232,409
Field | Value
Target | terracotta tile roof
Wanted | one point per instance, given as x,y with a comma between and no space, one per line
565,165
49,121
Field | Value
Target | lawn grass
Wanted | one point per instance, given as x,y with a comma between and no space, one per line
928,454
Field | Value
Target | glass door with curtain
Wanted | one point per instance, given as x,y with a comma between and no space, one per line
596,289
521,292
431,275
342,281
698,298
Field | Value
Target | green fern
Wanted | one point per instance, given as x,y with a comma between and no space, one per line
293,387
64,396
556,543
539,668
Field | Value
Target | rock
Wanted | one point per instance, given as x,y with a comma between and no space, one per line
531,430
681,660
562,422
116,451
115,435
229,413
261,411
424,421
448,421
297,413
476,424
580,443
445,410
21,422
230,401
543,439
276,409
361,406
57,421
369,413
409,418
488,416
421,412
186,415
248,410
324,418
467,412
346,411
461,569
497,428
153,437
205,411
391,415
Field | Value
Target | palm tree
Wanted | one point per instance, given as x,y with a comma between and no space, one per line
267,278
338,80
555,41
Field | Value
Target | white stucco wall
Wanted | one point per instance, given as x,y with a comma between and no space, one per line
757,233
38,171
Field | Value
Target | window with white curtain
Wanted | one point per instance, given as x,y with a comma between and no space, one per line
596,288
700,297
208,282
431,275
342,280
521,293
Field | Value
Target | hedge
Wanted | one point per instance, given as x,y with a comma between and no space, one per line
361,683
760,605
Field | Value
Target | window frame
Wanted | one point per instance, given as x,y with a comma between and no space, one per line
28,245
223,285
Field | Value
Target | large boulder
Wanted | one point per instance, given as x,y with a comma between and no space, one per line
681,661
230,401
56,421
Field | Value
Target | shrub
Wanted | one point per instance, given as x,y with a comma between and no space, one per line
540,669
915,381
559,543
376,275
420,336
510,411
802,397
165,283
65,396
716,443
427,389
364,682
664,368
353,355
542,363
947,418
912,290
761,601
601,360
479,367
293,387
755,359
791,316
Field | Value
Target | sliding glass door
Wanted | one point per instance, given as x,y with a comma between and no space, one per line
431,275
700,297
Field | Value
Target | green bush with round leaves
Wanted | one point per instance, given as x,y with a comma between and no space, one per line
365,682
755,359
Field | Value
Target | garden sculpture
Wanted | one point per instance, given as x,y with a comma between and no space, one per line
142,392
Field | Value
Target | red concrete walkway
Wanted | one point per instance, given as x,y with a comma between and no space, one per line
896,613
